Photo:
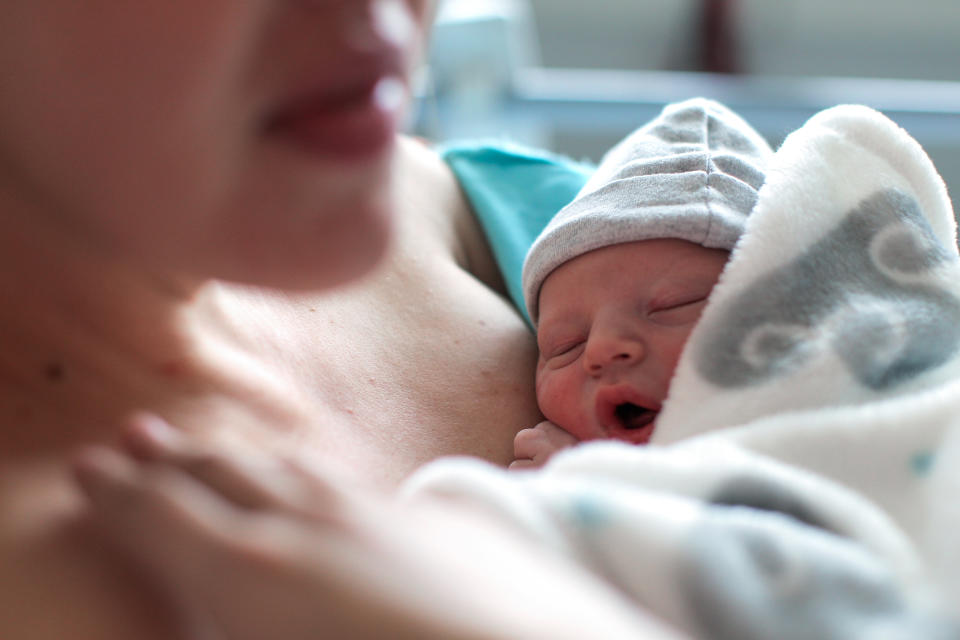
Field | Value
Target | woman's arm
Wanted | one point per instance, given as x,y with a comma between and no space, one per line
266,548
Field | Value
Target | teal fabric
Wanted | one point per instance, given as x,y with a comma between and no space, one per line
514,191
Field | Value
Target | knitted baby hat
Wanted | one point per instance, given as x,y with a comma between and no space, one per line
692,174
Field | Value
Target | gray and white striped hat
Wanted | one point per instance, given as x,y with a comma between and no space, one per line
692,173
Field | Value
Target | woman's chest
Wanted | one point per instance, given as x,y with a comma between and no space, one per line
407,366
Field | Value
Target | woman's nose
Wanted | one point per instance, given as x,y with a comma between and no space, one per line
612,349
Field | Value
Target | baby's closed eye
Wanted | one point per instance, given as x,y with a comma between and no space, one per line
681,312
562,352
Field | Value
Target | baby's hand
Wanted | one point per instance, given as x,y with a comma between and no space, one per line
533,447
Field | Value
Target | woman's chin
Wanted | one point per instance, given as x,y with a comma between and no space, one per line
349,270
350,255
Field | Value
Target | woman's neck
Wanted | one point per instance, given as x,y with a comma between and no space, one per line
86,338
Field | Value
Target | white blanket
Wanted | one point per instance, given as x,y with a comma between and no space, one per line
804,477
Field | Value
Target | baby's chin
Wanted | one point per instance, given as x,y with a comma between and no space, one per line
639,434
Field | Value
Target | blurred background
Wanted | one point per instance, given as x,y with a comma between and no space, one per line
574,76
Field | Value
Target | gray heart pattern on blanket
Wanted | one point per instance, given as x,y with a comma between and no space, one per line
749,579
763,565
865,291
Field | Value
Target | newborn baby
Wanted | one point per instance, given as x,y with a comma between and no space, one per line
616,282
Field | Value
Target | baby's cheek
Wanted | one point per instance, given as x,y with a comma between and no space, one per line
548,397
559,398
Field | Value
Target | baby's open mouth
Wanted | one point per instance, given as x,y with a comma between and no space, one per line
632,416
625,413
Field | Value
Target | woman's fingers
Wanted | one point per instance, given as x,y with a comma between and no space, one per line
245,478
250,575
155,508
227,568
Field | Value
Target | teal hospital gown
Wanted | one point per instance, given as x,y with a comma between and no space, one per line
514,192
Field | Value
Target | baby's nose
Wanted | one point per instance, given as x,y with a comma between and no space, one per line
612,350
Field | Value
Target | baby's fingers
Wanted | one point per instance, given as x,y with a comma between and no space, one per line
556,437
533,447
528,443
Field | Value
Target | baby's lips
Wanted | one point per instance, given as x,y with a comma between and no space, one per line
611,397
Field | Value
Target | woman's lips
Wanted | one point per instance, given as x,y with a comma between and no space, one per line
351,124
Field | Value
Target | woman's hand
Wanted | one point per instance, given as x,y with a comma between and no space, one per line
258,547
533,447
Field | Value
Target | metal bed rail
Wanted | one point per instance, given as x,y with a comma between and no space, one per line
616,101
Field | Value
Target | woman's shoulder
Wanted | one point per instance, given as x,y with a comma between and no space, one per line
432,201
513,192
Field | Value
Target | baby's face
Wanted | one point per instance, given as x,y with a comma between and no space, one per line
612,325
